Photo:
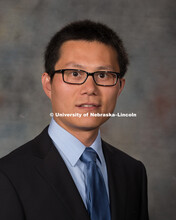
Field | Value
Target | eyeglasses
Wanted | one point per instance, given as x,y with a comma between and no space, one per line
78,77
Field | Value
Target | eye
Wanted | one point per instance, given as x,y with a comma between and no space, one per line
75,74
102,75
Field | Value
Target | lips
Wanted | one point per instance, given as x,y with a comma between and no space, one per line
88,105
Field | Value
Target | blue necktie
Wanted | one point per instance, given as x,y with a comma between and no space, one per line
97,198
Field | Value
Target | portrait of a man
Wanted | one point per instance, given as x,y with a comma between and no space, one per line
68,171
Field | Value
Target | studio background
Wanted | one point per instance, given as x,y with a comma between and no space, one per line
148,30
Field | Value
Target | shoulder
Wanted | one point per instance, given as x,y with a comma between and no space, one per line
27,153
120,158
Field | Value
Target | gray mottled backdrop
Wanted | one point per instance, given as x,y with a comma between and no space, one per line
149,33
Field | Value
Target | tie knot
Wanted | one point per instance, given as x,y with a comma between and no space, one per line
89,155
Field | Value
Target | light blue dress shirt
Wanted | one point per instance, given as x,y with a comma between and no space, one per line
71,149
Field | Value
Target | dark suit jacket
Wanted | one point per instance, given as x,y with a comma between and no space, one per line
35,184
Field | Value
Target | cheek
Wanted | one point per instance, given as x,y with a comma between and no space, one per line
58,89
62,96
110,101
57,96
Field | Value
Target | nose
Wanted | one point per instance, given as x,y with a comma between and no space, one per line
89,87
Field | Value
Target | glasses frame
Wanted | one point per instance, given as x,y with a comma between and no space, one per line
88,74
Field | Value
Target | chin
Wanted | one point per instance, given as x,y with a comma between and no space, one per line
88,124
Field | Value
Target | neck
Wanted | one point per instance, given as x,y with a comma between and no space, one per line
84,135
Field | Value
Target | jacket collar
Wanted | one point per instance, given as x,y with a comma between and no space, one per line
117,181
54,171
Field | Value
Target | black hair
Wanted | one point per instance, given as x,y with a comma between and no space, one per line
89,31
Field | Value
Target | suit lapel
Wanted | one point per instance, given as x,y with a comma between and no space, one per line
54,171
117,182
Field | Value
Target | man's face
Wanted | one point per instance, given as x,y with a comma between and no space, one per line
88,97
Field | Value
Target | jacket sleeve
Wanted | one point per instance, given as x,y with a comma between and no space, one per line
10,207
144,198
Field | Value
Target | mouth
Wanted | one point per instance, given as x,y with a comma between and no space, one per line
88,106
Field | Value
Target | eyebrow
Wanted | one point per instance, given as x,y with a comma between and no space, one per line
103,67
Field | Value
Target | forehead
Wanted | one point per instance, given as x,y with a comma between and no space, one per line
87,53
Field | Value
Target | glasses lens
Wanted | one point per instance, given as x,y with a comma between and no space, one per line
105,78
74,76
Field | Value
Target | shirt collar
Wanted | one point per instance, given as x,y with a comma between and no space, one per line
70,146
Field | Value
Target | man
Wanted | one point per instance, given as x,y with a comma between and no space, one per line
68,172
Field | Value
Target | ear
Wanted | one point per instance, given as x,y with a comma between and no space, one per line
121,84
46,82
